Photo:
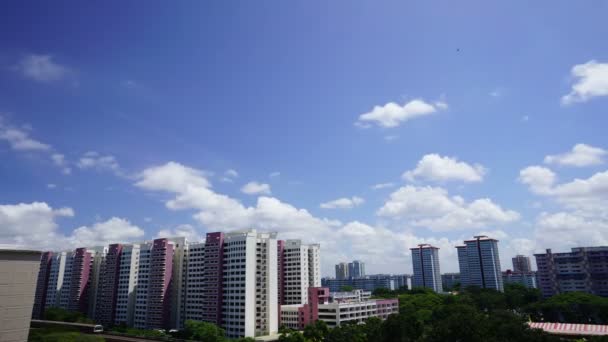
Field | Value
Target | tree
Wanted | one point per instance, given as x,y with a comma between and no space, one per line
316,331
402,328
346,288
290,335
346,332
203,331
518,297
374,329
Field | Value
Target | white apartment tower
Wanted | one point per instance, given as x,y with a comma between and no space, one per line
250,284
301,270
127,283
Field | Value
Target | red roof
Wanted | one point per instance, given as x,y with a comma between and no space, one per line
571,328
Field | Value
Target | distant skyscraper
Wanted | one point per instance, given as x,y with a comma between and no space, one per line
42,284
521,263
583,269
108,286
448,280
356,269
480,264
342,271
425,261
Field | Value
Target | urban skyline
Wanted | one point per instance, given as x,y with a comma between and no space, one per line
298,130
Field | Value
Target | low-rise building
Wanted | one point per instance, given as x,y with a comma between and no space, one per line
337,308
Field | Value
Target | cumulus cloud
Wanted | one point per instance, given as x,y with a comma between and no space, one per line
393,114
343,203
434,167
431,207
113,230
59,160
34,226
539,179
255,188
173,177
590,194
96,161
29,224
274,174
183,230
564,230
580,155
42,68
591,80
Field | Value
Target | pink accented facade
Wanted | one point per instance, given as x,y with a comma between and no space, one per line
212,286
80,281
108,285
159,288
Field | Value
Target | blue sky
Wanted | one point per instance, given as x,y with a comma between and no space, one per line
119,122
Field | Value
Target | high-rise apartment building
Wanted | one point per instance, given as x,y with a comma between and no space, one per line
425,262
527,279
128,276
342,271
356,269
449,280
250,284
41,285
107,288
231,279
521,264
480,264
583,269
300,270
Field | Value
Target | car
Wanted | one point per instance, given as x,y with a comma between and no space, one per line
98,328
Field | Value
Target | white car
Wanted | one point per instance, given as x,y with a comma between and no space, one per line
98,328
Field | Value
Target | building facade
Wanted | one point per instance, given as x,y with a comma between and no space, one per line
369,282
425,262
449,280
356,269
41,285
527,279
300,270
583,269
19,270
342,271
336,308
521,264
480,264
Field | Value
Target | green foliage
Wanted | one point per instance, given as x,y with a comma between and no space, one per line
203,331
123,329
386,293
59,314
61,334
346,288
290,335
572,307
316,331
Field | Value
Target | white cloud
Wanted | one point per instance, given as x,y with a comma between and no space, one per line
431,207
343,203
255,188
19,139
59,160
30,225
274,174
591,81
580,155
114,230
564,230
538,178
231,173
42,68
183,230
588,195
436,168
393,114
94,160
51,186
382,186
173,177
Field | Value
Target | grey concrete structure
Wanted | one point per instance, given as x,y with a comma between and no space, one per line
18,278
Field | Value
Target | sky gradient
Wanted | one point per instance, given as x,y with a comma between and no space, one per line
367,127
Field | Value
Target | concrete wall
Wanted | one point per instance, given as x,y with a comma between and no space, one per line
18,276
